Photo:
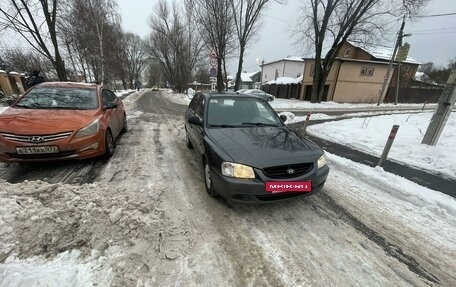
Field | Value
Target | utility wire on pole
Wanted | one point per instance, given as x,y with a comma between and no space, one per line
388,72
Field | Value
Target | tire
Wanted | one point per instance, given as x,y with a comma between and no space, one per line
125,124
187,141
208,179
110,144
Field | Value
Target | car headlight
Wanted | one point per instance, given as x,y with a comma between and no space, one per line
321,161
237,170
92,128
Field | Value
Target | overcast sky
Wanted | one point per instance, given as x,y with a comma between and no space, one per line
433,39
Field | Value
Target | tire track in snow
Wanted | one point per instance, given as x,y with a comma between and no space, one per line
390,248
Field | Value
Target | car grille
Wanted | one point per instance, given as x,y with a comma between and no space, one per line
288,171
35,138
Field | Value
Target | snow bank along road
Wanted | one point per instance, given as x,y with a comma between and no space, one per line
143,218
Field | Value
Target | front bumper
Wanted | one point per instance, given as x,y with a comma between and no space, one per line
254,190
82,148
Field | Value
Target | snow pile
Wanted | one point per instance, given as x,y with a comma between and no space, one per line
123,93
181,99
2,109
292,118
46,220
293,104
370,134
66,269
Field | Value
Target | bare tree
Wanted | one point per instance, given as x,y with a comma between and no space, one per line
20,60
247,14
173,45
137,56
94,40
35,22
216,27
332,22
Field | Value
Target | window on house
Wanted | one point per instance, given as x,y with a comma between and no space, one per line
363,71
347,52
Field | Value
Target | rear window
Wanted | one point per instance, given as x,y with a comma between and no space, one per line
59,98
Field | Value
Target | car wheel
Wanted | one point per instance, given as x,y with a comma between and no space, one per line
208,179
125,124
110,145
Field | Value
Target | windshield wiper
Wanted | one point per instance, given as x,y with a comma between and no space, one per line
260,124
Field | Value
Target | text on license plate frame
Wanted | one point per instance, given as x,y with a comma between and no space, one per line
288,186
49,149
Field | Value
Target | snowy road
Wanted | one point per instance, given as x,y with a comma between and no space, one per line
147,215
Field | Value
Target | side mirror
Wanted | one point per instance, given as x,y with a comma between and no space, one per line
283,118
194,120
109,106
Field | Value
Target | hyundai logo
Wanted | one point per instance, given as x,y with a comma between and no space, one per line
36,139
290,171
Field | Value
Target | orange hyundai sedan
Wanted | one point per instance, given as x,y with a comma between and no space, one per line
61,120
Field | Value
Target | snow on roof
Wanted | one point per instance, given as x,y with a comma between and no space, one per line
292,59
381,52
14,73
247,77
296,59
422,77
1,71
285,81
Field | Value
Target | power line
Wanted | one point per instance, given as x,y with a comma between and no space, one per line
434,15
433,30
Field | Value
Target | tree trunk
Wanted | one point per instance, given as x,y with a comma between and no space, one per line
239,69
59,66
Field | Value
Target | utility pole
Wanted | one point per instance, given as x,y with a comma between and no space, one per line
388,72
442,113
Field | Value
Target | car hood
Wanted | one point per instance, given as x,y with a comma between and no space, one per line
262,147
44,121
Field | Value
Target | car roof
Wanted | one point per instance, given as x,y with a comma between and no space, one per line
68,85
233,95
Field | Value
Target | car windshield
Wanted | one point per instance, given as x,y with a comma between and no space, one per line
240,112
59,98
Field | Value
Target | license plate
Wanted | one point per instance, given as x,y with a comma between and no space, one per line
288,186
37,149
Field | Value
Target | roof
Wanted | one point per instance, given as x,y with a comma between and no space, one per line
291,59
247,77
380,52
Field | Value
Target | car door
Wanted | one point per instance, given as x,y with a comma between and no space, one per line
196,108
112,115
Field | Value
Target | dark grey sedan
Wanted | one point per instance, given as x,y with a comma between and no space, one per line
247,153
